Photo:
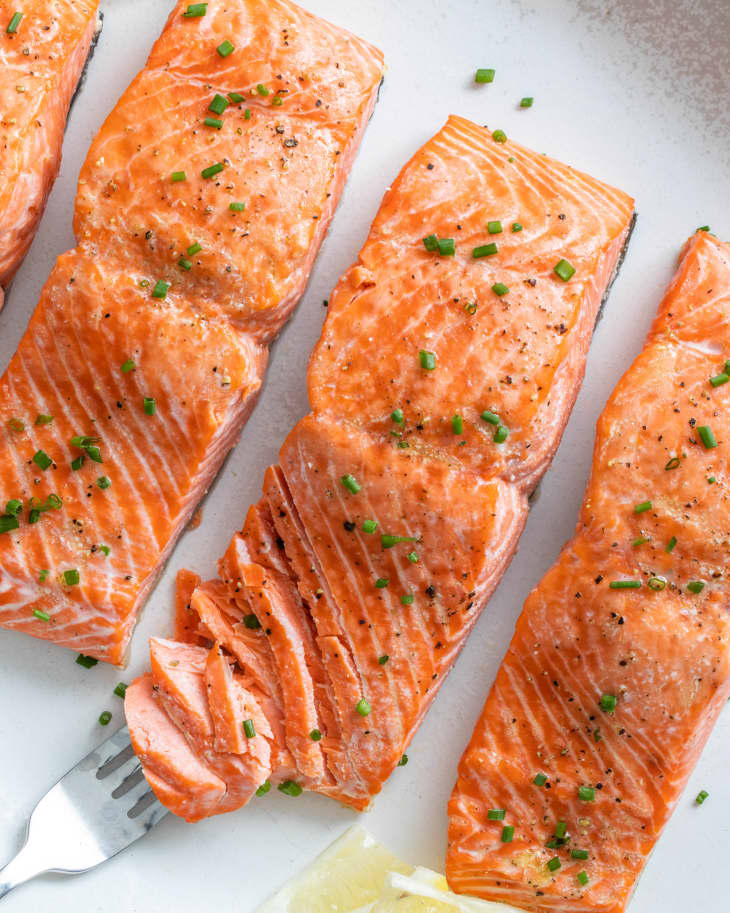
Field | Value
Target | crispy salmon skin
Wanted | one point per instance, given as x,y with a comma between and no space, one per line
439,389
44,45
619,665
201,206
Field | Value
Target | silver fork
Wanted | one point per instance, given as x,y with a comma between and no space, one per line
96,810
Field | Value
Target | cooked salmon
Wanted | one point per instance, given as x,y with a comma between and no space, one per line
200,209
44,45
619,665
440,387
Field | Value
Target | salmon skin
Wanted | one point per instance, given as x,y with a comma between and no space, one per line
619,665
200,209
44,46
440,387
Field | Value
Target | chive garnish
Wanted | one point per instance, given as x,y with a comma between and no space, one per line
490,417
178,176
540,779
160,290
586,793
495,814
642,507
71,577
247,114
407,599
225,48
500,435
15,424
457,424
508,833
554,864
500,289
249,729
121,689
236,207
382,660
103,482
315,735
13,507
564,270
41,459
369,526
397,416
412,557
14,23
212,170
486,250
251,622
446,247
608,702
639,540
701,796
673,463
128,366
499,136
579,854
86,661
43,575
582,878
484,75
235,97
363,707
561,829
427,360
625,584
390,541
148,405
277,101
77,463
431,243
185,264
516,226
290,788
657,583
41,419
213,122
194,248
495,227
707,437
381,583
105,550
43,616
262,90
219,103
526,102
264,788
719,379
403,761
104,717
195,10
696,586
670,545
350,483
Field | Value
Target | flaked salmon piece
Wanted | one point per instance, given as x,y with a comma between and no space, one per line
609,693
438,397
179,778
195,240
187,629
44,45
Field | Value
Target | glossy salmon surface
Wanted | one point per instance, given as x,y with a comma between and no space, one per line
438,400
201,206
619,664
44,45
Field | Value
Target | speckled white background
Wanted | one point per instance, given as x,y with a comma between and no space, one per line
638,94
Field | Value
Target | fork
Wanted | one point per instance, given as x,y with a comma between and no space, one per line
87,818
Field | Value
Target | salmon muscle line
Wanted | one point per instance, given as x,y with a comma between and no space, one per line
147,350
44,50
438,404
610,693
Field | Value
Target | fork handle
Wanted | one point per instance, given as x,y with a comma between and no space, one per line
20,869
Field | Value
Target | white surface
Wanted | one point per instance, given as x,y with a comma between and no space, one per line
637,96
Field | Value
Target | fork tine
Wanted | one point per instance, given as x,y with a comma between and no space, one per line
129,782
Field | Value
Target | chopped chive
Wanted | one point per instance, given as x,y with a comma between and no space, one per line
701,796
381,583
710,480
249,729
516,226
194,248
262,90
93,453
350,483
564,270
225,48
34,515
121,689
540,779
178,176
247,114
657,583
251,622
195,10
290,788
236,207
427,360
363,707
639,540
77,463
15,424
642,507
708,438
500,435
128,366
672,464
41,419
625,584
213,122
703,228
486,250
369,526
499,288
277,101
582,878
403,761
13,507
397,416
470,307
412,557
608,702
86,661
490,417
105,550
696,586
508,833
579,854
235,97
554,864
160,289
484,75
315,735
39,613
382,660
446,247
104,717
561,829
495,814
719,379
403,445
53,502
390,541
41,459
407,598
264,788
212,170
148,405
71,577
526,102
219,103
14,23
103,482
431,243
670,545
185,264
457,424
43,575
495,227
586,793
499,136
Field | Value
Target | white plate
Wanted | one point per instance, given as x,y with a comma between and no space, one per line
635,93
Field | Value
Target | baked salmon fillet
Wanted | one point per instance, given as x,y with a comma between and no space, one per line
44,45
619,665
200,210
440,387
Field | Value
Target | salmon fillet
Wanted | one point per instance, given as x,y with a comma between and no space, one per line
200,209
608,693
397,503
44,45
